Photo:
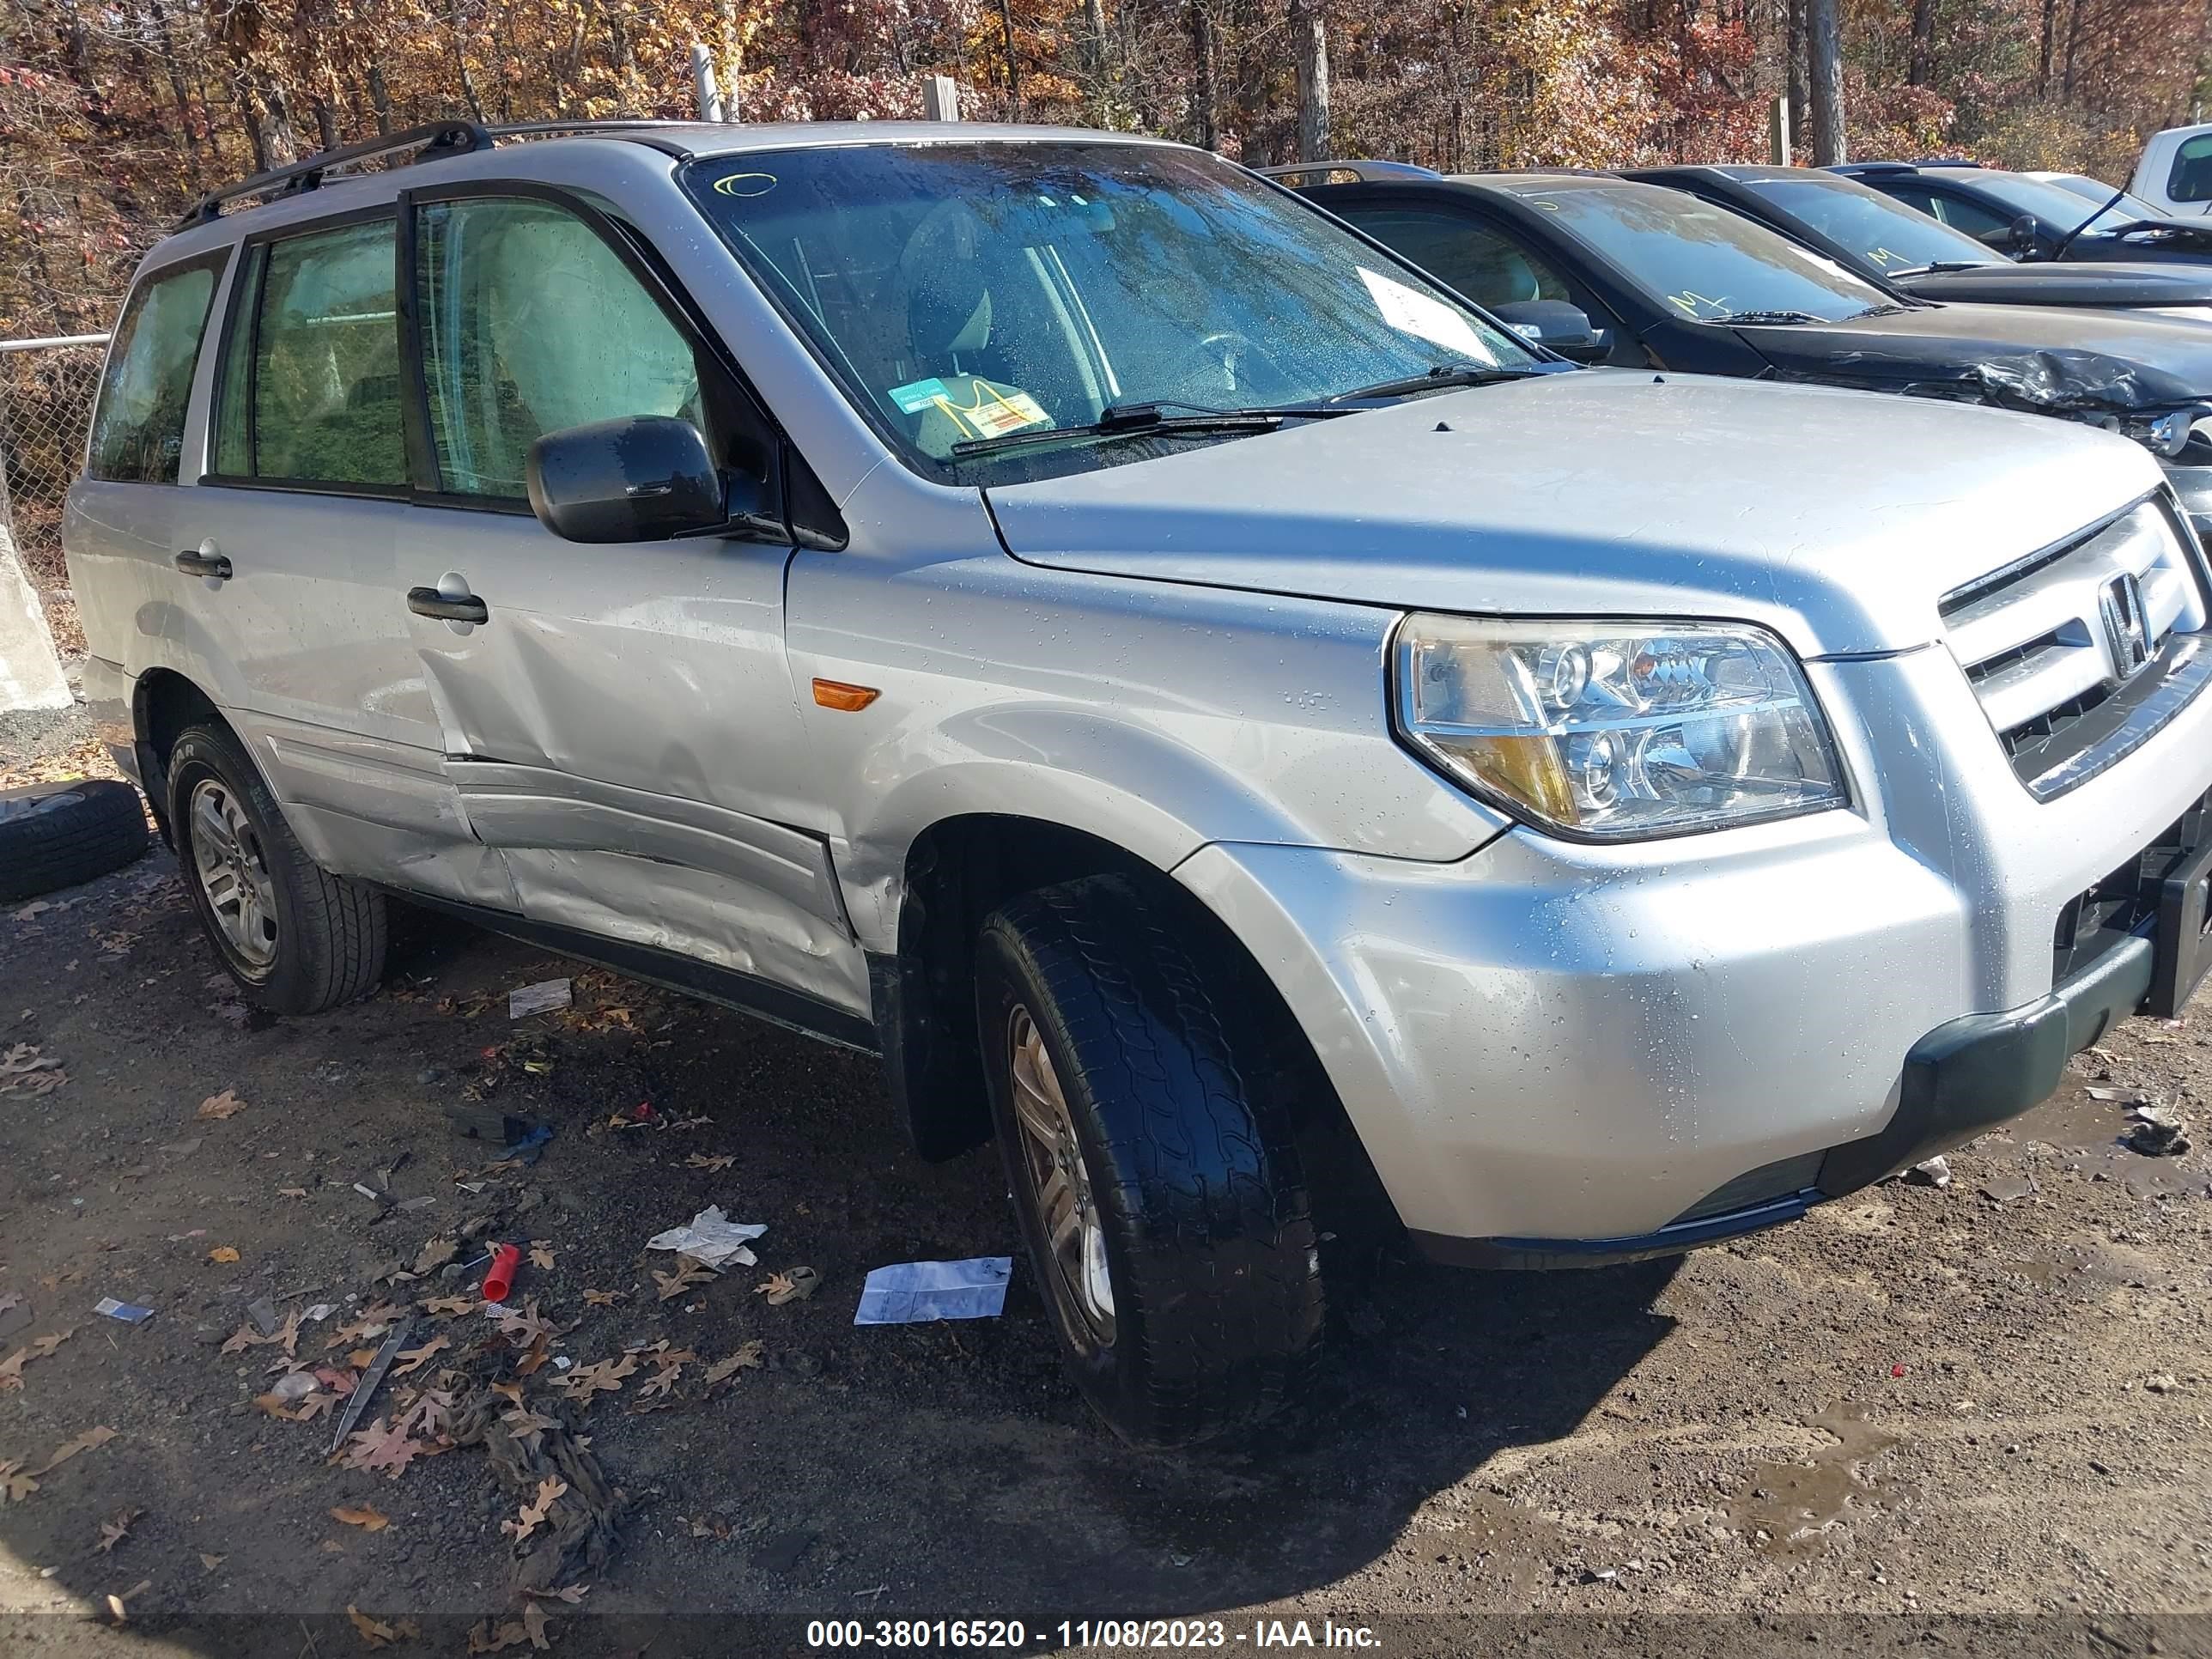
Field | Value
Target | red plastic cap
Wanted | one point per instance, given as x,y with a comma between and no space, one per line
499,1278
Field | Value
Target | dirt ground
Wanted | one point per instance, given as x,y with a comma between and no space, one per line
1988,1399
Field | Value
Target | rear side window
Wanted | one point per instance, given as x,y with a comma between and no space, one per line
138,434
2192,177
310,391
530,324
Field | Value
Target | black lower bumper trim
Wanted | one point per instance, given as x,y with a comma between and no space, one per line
1966,1076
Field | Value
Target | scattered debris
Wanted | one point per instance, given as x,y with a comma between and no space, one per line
530,1148
129,1312
115,1603
2157,1132
2003,1188
263,1312
795,1286
2132,1096
1936,1172
499,1278
711,1239
372,1375
541,998
225,1104
2164,1382
368,1517
914,1292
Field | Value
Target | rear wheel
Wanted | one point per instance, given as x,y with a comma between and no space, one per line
296,937
1161,1200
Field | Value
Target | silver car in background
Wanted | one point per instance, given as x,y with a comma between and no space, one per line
1200,702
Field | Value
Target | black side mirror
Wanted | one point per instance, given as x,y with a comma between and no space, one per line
1554,324
645,478
2019,238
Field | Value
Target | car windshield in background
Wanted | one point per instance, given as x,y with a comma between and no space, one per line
968,292
2061,210
1711,266
1876,227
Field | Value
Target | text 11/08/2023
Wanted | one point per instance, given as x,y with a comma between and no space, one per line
1012,1635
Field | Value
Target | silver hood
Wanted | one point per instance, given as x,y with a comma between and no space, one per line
1837,518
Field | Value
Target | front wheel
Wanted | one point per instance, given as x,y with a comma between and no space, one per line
1161,1200
297,938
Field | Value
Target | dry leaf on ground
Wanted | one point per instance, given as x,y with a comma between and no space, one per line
746,1359
223,1253
382,1448
376,1633
368,1517
541,1255
688,1273
605,1377
600,1298
225,1104
413,1359
529,1324
793,1286
526,1427
69,1449
16,1485
533,1514
211,1561
376,1322
703,1161
112,1533
24,1070
435,1255
446,1306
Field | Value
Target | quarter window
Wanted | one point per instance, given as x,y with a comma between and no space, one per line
139,435
530,324
312,381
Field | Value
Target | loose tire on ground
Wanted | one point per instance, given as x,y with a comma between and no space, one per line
1216,1303
56,835
318,939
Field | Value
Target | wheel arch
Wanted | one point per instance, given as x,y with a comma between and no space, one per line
163,703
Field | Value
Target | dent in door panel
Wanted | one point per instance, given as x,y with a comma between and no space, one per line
461,870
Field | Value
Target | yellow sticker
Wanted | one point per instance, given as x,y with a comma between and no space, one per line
990,411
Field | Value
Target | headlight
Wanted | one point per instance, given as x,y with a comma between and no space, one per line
1614,731
2191,313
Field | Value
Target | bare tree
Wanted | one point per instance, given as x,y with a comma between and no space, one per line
1311,30
1824,43
1203,98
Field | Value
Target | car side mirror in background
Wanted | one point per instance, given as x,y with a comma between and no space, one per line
643,478
2019,238
1554,324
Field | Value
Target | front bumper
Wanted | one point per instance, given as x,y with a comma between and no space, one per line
1557,1053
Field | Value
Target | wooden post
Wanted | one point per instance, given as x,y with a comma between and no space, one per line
1778,130
705,94
940,98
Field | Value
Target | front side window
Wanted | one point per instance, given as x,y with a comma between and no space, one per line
531,323
311,391
1485,264
138,433
1885,233
964,291
1702,262
2191,180
1971,218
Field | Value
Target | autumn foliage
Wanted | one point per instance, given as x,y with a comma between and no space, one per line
112,118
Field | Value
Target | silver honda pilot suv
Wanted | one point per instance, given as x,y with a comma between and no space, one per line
1200,702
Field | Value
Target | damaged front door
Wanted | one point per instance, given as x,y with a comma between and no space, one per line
618,719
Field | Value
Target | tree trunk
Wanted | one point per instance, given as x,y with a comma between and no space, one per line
2050,42
1924,42
326,122
380,98
1204,133
1824,42
2073,47
238,27
461,62
1800,85
730,55
1013,61
185,122
1094,53
1310,30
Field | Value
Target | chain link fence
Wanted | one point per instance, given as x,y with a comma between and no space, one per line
45,407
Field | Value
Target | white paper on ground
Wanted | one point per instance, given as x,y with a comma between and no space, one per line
913,1292
541,998
711,1239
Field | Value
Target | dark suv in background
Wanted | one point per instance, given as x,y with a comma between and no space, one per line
2034,219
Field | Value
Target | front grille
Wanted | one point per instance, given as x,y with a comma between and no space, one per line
2125,902
2078,654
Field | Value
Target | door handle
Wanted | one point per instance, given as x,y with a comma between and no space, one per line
429,602
194,563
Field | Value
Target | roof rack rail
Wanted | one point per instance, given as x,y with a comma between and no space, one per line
440,137
1361,172
432,141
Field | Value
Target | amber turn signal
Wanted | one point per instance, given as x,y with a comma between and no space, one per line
836,694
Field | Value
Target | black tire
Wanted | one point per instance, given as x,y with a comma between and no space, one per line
1217,1309
329,933
56,835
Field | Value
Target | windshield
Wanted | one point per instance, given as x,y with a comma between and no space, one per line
2060,208
963,292
1704,262
1877,228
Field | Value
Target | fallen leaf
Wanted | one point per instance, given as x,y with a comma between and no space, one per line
688,1273
541,1255
599,1298
382,1449
112,1533
361,1359
69,1449
488,1637
375,1632
291,1192
746,1359
605,1377
662,1381
368,1517
528,1324
225,1104
413,1359
794,1286
446,1306
702,1161
222,1252
44,1347
211,1561
375,1322
533,1515
435,1255
526,1426
533,1620
571,1594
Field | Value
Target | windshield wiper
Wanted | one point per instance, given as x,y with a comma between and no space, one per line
1442,378
1890,310
1765,316
1129,421
1935,265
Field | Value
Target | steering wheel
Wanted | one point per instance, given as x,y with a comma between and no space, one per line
1225,351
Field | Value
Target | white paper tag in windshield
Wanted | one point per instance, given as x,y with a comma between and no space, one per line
1410,312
